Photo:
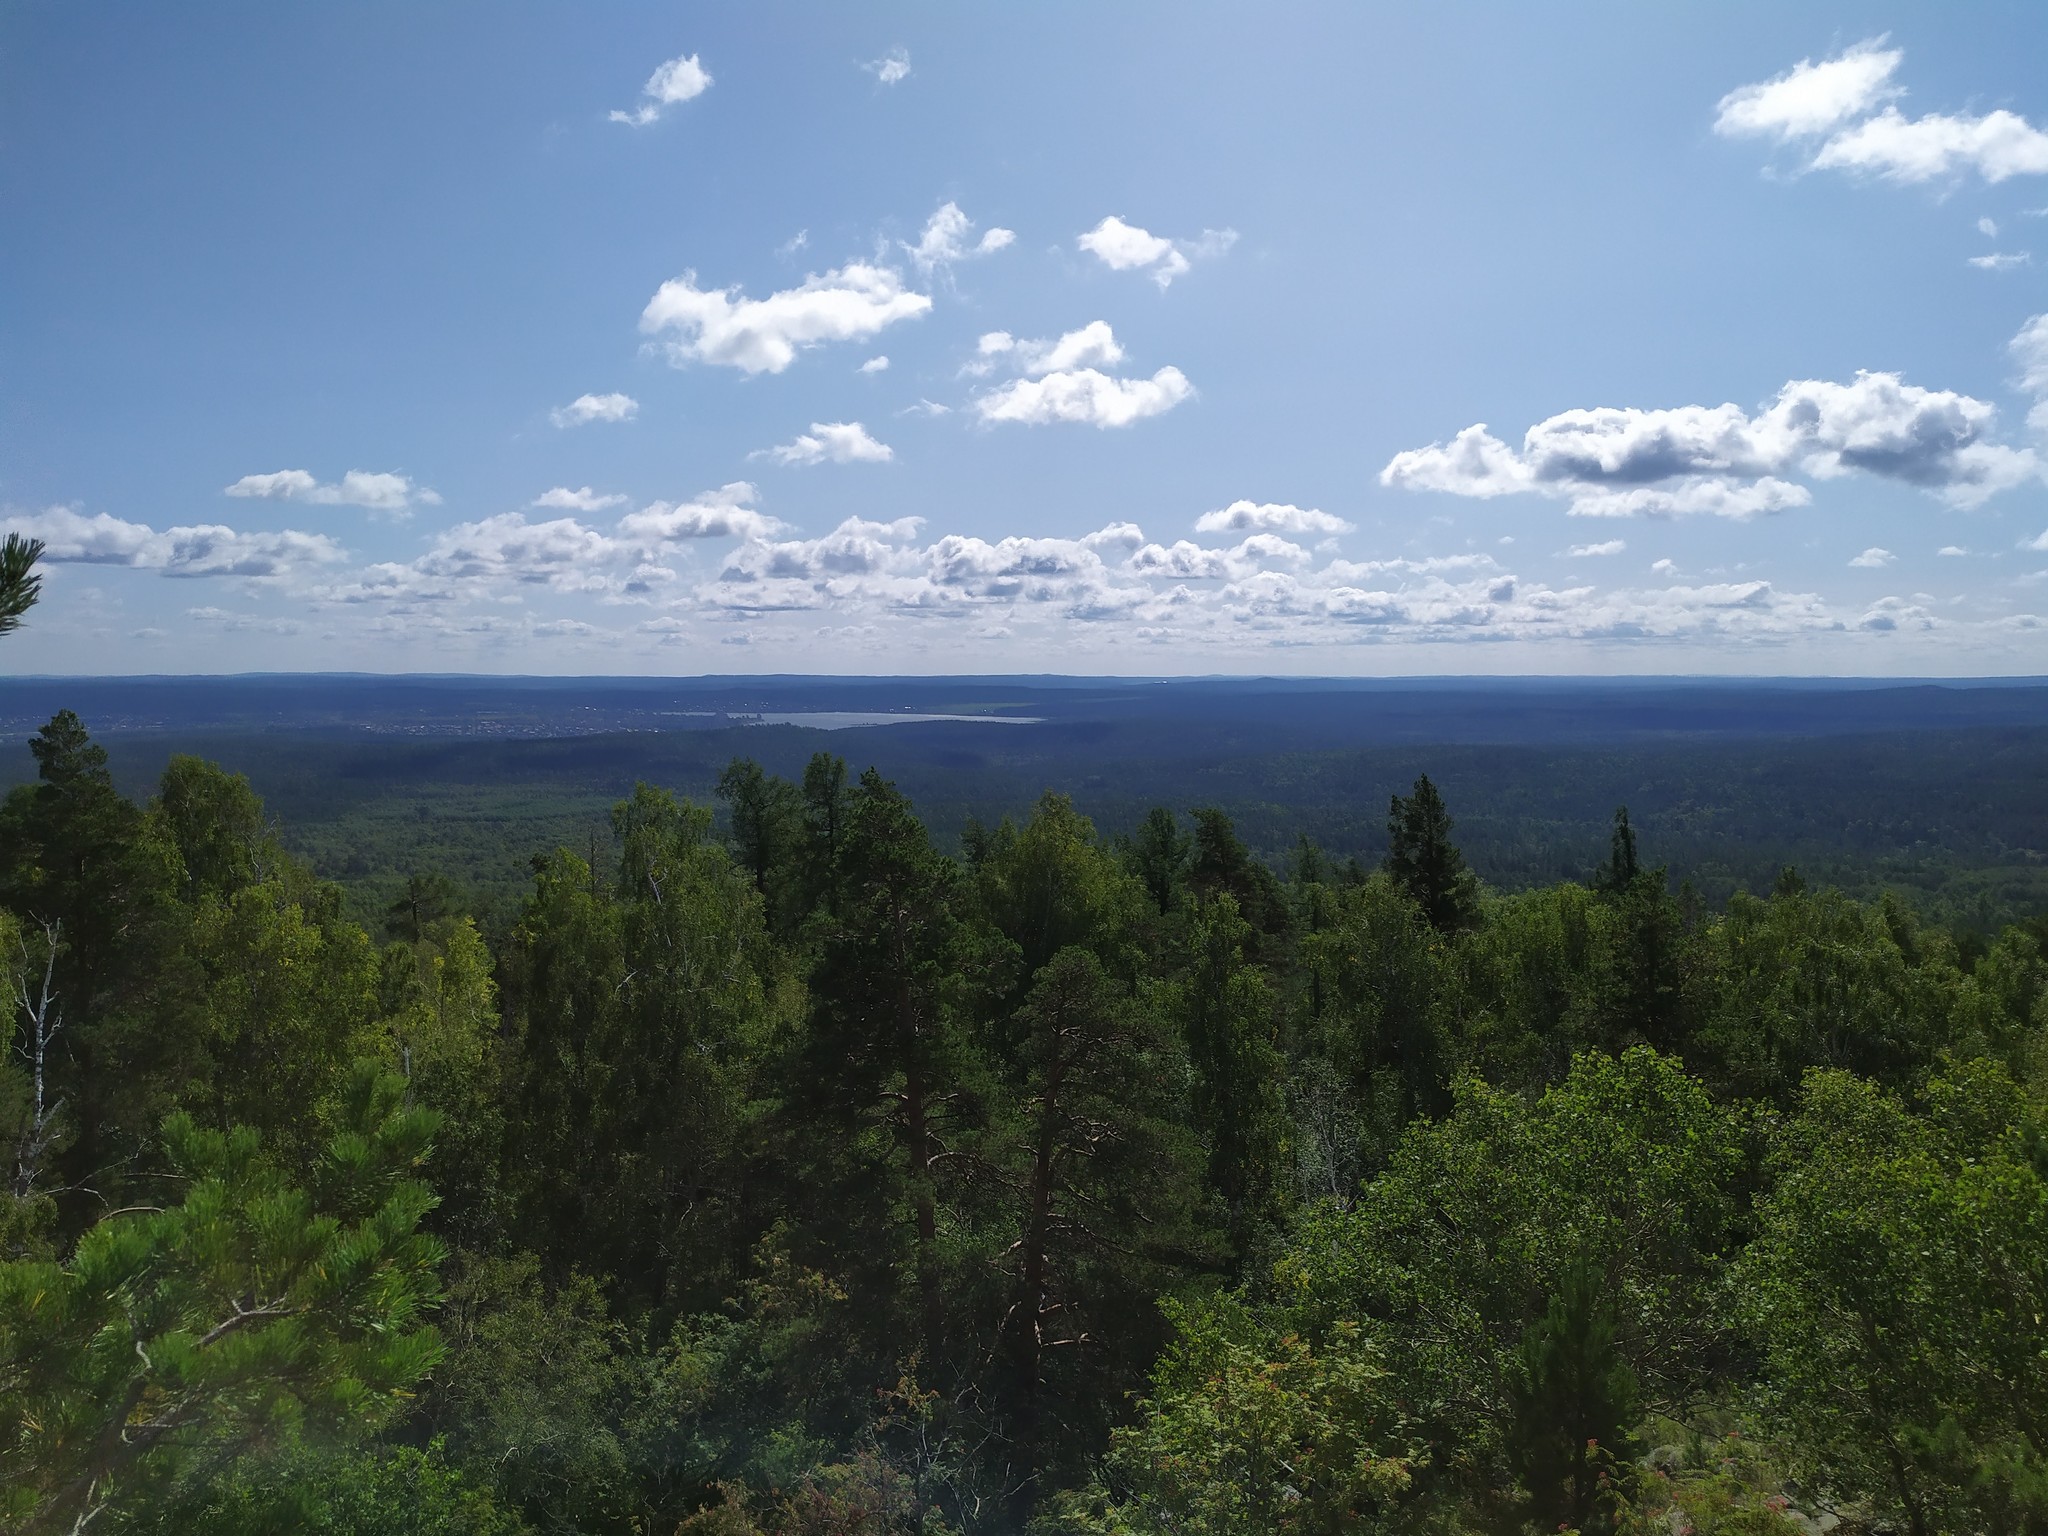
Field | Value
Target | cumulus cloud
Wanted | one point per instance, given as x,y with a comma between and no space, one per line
1811,98
1996,146
2001,261
1063,381
890,67
588,408
1951,551
1605,547
1270,517
726,513
1124,247
1873,559
509,547
681,79
388,493
865,579
206,549
946,236
562,499
1094,345
1847,104
1724,461
720,325
1086,395
840,442
874,365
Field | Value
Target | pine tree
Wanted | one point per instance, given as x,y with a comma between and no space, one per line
19,585
1425,862
1574,1400
251,1310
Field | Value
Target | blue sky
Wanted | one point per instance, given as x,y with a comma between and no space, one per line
1337,339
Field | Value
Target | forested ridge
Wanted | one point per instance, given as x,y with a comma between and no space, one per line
777,1170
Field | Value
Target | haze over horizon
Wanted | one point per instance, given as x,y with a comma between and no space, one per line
1160,341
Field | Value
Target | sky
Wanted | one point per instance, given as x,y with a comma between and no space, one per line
1347,339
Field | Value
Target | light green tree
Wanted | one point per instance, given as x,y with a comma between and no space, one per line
253,1311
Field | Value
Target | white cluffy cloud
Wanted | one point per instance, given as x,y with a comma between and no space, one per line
562,499
726,513
681,79
1590,551
1063,381
1847,104
1723,461
890,67
207,549
945,238
394,494
1270,517
874,365
585,409
1873,559
840,442
2001,261
1093,345
1125,247
720,325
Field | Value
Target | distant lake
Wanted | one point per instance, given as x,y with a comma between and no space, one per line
841,719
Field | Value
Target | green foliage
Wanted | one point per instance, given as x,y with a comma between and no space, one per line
1453,1251
1572,1401
388,1491
1228,1019
803,1179
1897,1286
20,586
1246,1432
1425,862
251,1311
636,1011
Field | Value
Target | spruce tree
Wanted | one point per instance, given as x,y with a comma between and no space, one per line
1622,866
1425,862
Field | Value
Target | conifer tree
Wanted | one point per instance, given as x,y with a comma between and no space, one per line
1227,1019
1573,1401
20,586
1425,862
1622,867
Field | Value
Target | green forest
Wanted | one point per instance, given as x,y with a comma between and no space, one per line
779,1171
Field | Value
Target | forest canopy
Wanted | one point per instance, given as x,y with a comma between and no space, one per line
779,1170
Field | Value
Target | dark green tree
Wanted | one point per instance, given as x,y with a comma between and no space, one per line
825,809
1228,1018
1158,855
1622,866
1425,862
767,818
1573,1401
1220,864
638,1012
428,900
1103,1179
890,1065
97,880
